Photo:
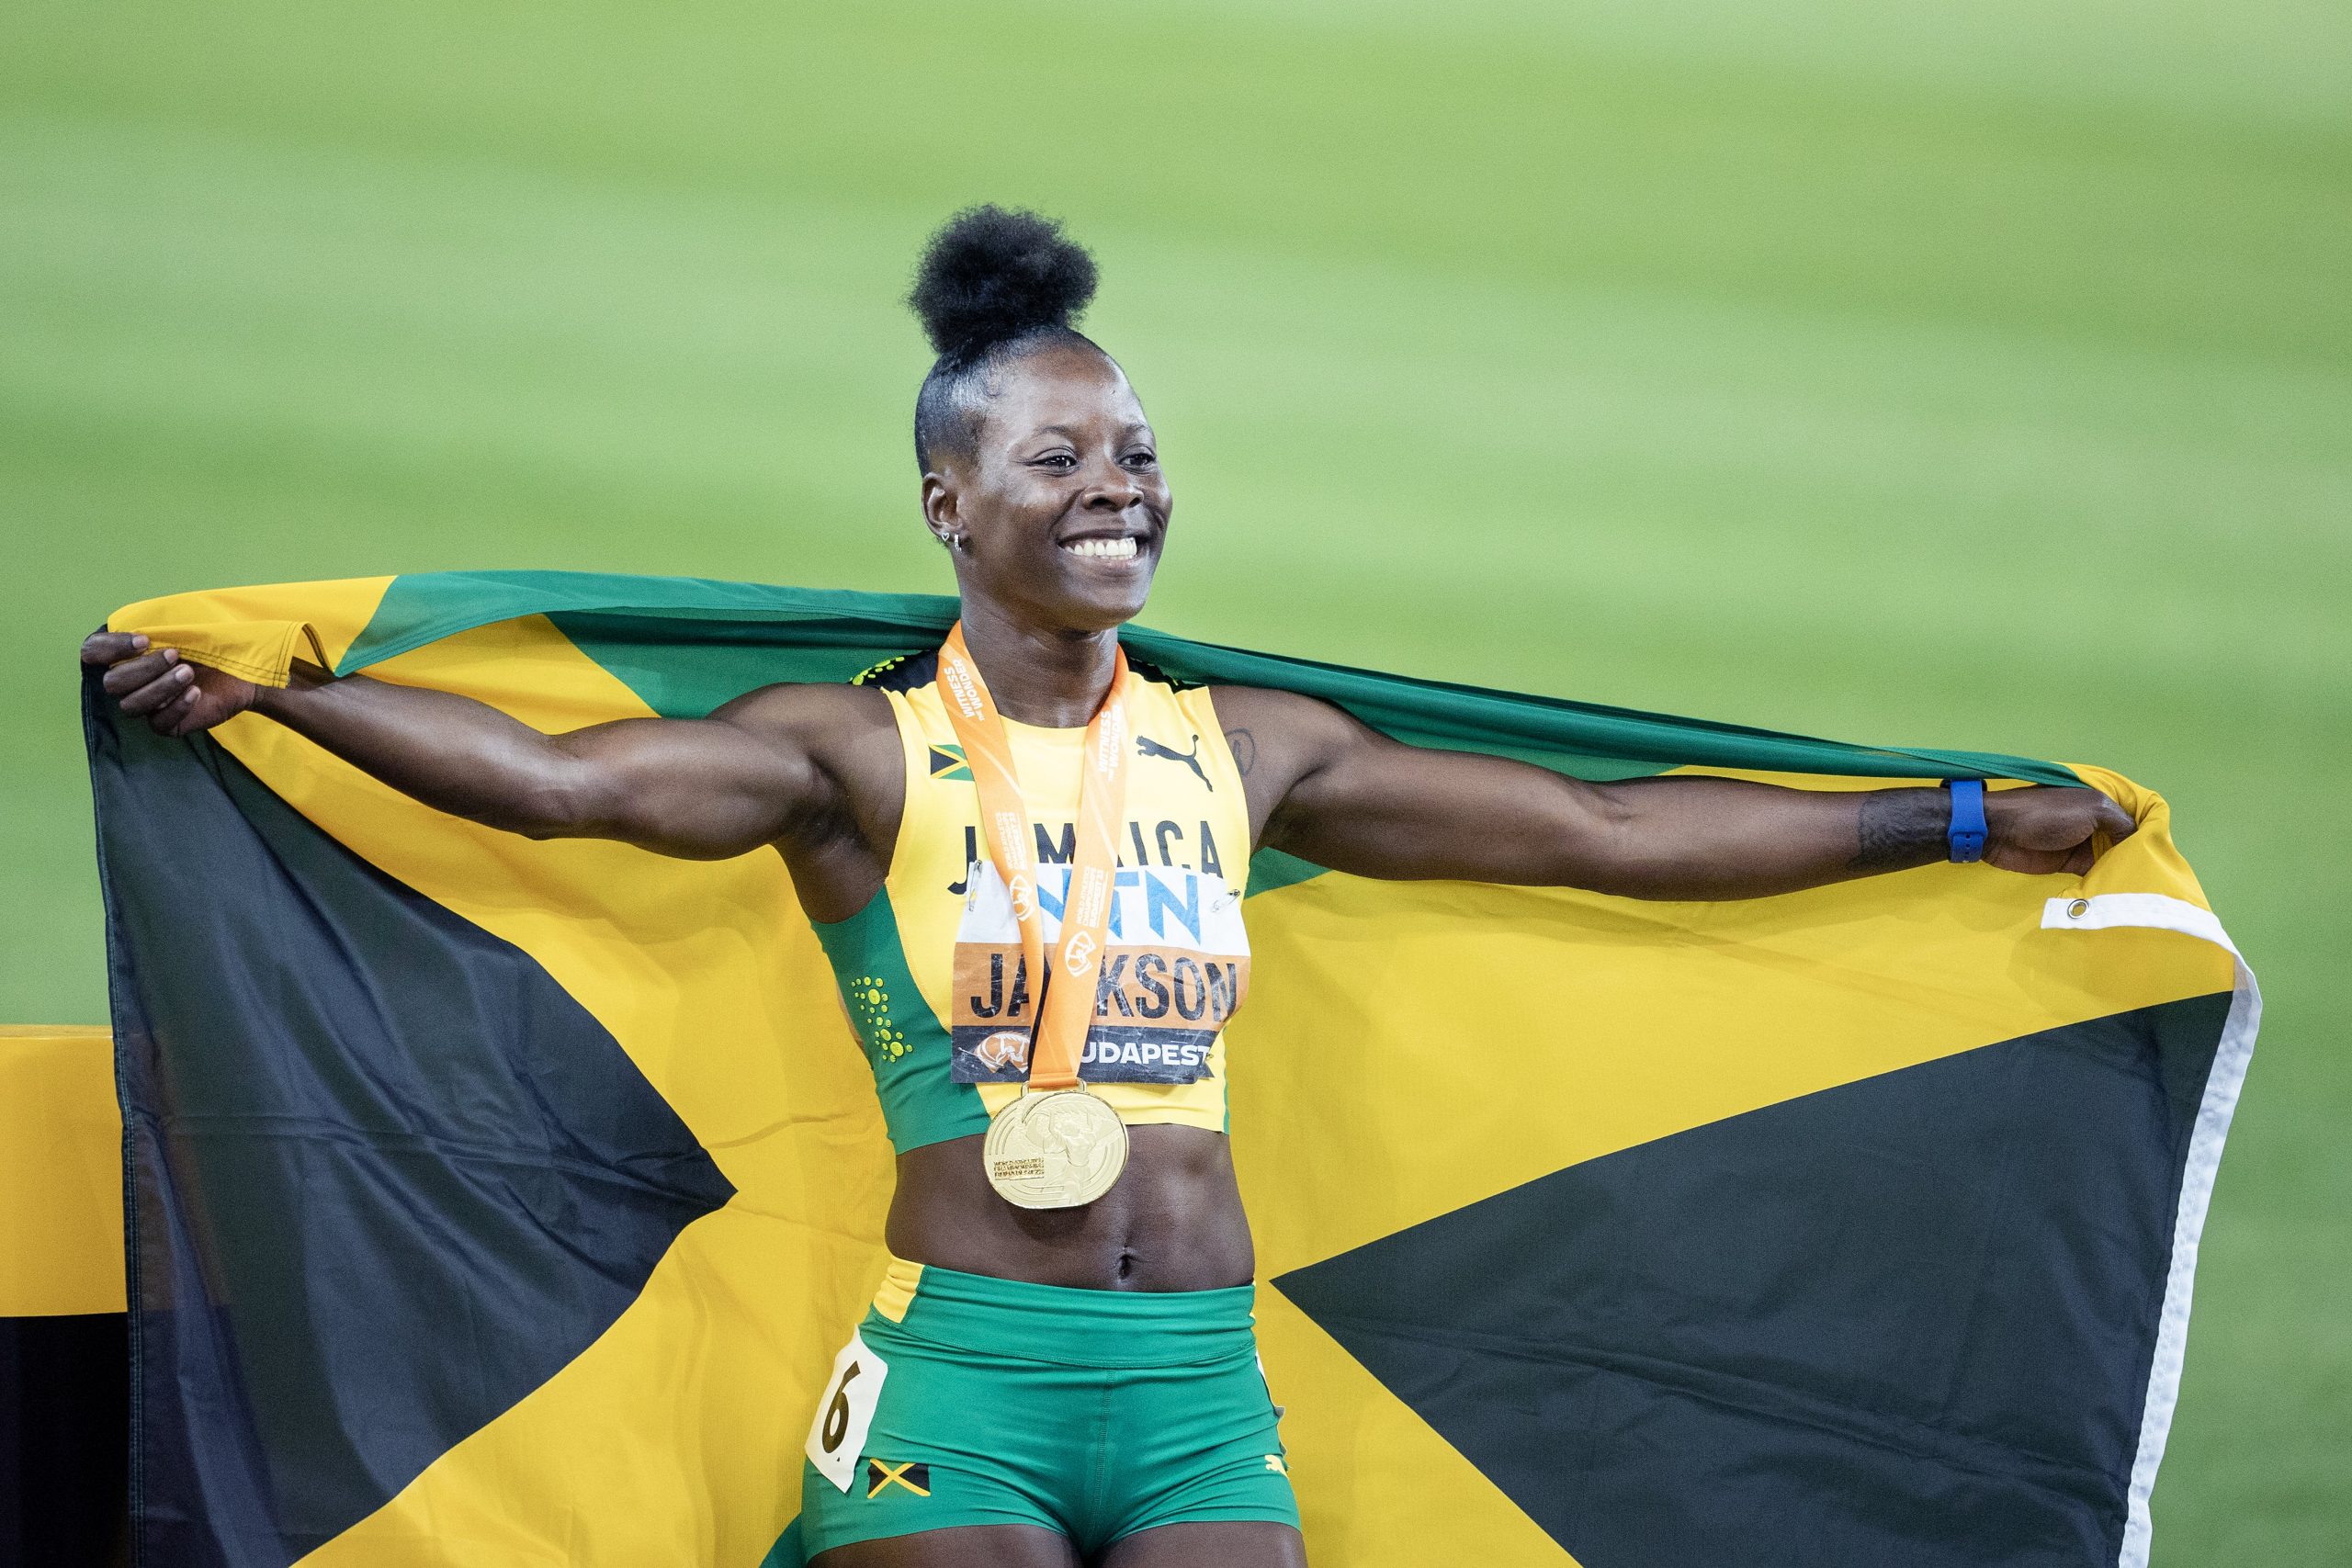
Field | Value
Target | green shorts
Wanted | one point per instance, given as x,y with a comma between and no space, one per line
965,1400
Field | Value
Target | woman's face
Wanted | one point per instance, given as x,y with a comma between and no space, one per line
1062,509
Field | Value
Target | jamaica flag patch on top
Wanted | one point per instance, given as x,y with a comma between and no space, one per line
948,762
881,1476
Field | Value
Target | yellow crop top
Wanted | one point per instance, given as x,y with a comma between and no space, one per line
932,967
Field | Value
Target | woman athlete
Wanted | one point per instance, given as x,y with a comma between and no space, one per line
1037,1387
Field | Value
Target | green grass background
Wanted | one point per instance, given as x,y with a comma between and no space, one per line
1964,373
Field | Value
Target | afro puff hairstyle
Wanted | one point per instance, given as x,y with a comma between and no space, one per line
992,285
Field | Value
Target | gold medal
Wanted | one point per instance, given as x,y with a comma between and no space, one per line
1054,1148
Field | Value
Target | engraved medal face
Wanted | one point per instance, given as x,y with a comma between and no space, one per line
1058,1149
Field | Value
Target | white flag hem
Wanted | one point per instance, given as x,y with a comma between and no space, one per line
2160,913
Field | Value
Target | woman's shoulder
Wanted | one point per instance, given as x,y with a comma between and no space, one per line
1270,708
823,718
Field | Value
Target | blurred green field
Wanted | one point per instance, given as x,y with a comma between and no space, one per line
1977,375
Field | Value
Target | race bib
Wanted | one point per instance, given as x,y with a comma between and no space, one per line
845,1412
1175,965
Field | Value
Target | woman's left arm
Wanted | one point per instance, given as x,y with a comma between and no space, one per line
1329,789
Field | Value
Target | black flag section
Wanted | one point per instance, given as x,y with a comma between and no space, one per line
387,1175
1871,1325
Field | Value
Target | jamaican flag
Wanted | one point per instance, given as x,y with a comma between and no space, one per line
503,1202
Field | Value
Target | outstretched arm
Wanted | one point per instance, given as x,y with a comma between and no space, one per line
756,771
1329,789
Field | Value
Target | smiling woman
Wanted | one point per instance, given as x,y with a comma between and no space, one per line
1025,856
997,293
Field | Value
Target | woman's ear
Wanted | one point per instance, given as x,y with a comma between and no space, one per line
940,510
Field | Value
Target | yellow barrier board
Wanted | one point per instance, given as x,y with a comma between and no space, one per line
61,1172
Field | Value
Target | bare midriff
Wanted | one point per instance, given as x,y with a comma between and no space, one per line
1174,1221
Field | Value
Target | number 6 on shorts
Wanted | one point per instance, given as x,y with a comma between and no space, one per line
844,1412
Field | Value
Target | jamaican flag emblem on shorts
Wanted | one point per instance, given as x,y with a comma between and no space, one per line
881,1476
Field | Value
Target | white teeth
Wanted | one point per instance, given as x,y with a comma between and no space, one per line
1104,549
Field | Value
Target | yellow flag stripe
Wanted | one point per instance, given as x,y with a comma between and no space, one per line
1377,1487
1634,1019
251,632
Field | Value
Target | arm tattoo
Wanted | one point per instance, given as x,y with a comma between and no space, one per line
1244,748
1896,826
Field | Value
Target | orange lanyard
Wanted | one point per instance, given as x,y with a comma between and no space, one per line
1066,1010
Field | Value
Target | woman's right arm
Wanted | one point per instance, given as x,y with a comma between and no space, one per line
701,789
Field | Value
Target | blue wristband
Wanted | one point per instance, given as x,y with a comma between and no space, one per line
1966,834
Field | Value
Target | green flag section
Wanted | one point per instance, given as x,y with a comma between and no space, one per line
506,1200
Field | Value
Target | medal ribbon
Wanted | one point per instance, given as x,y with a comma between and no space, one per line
1063,1011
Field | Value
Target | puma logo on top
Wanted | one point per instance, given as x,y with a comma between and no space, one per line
1146,746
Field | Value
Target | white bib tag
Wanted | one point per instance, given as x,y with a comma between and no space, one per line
845,1412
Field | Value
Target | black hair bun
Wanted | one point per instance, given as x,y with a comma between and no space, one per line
989,275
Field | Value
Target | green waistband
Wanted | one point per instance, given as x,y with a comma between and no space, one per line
1083,1328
